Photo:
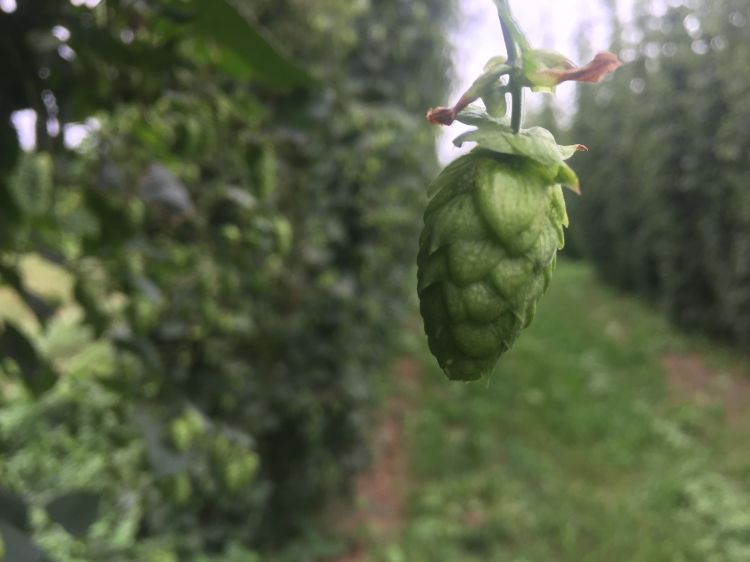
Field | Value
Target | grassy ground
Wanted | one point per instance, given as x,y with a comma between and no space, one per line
604,436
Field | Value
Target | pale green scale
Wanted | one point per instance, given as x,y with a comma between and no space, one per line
482,303
455,221
471,260
518,219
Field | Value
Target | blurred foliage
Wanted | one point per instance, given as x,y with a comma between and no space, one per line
228,259
666,206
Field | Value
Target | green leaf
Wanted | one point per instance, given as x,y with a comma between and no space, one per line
539,60
76,511
37,374
495,134
568,178
495,63
41,308
553,59
476,116
220,22
495,101
494,69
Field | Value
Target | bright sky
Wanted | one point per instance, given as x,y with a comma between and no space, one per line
549,24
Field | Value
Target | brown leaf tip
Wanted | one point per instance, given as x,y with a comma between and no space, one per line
441,116
582,148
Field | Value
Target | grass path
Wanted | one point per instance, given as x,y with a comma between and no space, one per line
605,436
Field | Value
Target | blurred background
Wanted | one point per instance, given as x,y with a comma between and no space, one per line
210,349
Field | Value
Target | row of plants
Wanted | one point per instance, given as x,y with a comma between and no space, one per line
227,260
668,211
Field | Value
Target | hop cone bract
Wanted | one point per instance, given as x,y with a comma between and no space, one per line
491,234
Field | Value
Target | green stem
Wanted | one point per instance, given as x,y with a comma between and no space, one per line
516,108
514,84
510,44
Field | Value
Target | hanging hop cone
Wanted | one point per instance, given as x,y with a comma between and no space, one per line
492,230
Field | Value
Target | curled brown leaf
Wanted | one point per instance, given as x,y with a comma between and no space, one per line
593,72
441,115
447,115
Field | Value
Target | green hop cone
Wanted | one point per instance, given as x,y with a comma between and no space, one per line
491,234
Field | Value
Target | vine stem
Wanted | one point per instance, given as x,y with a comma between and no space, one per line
514,85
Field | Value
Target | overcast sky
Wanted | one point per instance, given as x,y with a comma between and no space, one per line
549,24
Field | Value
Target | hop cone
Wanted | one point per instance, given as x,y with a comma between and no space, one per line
491,234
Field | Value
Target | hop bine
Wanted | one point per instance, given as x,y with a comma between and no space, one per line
495,219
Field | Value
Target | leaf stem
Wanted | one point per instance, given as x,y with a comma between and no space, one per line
516,108
514,84
510,44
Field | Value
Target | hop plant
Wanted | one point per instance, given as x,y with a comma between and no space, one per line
495,219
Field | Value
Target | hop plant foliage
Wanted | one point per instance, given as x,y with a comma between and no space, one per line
495,220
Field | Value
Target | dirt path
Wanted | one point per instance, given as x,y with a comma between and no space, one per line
690,378
380,492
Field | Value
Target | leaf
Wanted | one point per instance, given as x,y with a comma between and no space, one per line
495,134
18,547
495,101
495,63
41,308
568,178
76,511
553,59
494,69
14,510
593,72
487,86
475,115
222,23
540,66
38,375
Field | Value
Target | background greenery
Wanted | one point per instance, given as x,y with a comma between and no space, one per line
229,255
668,211
200,302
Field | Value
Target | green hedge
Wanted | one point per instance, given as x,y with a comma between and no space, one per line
666,205
236,241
